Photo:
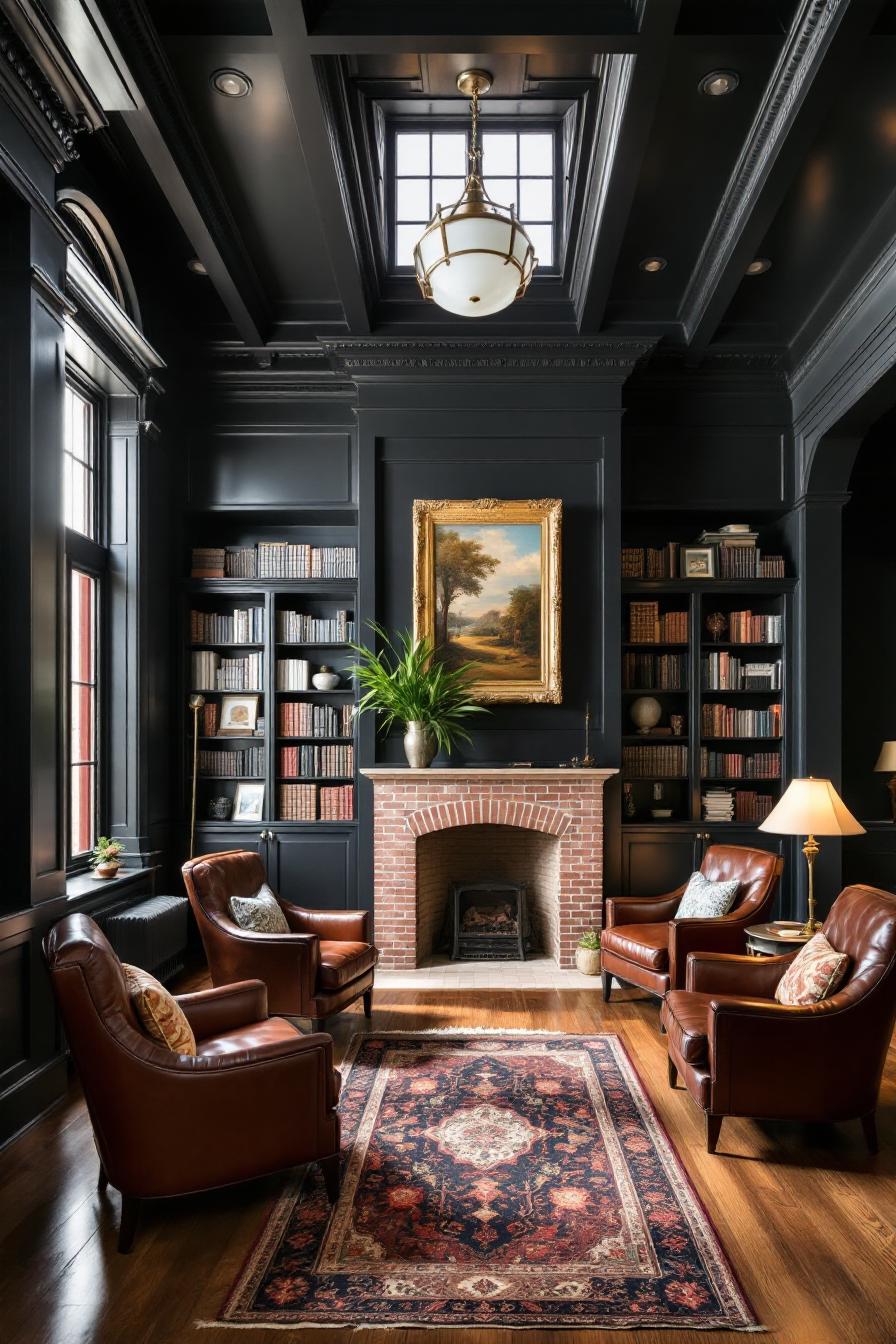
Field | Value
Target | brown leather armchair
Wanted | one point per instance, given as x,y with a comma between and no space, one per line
258,1096
322,965
741,1053
643,944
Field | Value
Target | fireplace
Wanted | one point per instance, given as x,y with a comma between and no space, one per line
487,921
541,826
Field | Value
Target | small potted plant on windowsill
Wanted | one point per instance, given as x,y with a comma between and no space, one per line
588,953
405,683
106,854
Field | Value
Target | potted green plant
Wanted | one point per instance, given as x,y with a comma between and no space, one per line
588,953
404,683
106,854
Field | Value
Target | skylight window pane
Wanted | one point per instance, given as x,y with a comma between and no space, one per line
536,154
542,236
498,154
449,154
412,199
412,154
502,190
406,236
536,200
446,190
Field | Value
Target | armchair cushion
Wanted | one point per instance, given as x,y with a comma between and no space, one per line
260,913
686,1019
158,1012
645,944
813,975
340,963
704,899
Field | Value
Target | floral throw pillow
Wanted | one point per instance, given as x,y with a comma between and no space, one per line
813,975
160,1015
704,899
260,913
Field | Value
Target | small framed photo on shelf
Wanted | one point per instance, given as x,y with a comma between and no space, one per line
239,714
248,805
698,562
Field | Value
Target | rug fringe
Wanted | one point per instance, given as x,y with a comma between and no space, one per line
444,1325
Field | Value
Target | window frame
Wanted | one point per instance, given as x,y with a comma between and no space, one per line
90,556
518,125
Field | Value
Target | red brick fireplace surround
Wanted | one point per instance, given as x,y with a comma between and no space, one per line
543,826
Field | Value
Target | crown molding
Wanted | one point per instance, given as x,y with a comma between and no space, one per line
607,359
34,99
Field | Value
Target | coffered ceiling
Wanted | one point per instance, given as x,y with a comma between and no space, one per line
280,193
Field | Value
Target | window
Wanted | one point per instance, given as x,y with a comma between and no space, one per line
518,169
85,566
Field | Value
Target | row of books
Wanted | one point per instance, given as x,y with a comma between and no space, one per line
211,672
244,626
336,762
293,674
294,627
286,560
226,764
299,802
647,626
301,718
274,560
654,672
737,765
644,762
738,558
729,721
726,672
745,628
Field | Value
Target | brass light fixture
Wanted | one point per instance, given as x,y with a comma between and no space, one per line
475,257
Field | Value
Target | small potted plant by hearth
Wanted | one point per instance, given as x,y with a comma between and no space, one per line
106,854
588,953
405,683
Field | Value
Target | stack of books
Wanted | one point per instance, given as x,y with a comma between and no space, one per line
718,805
727,721
293,674
239,562
735,765
239,674
317,762
745,628
652,671
647,626
725,672
207,562
288,560
232,764
752,806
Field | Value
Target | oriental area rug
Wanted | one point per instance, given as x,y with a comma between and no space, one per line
497,1181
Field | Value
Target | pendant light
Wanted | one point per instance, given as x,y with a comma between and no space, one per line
475,257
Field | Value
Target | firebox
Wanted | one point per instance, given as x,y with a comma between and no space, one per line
488,921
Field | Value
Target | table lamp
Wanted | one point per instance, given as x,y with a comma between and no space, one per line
811,807
886,762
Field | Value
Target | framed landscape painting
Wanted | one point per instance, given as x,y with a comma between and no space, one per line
487,592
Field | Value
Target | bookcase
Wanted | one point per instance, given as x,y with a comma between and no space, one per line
719,756
252,646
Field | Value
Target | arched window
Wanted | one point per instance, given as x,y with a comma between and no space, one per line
98,248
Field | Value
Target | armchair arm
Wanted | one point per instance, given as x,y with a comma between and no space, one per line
213,1011
290,961
725,934
715,973
642,909
338,926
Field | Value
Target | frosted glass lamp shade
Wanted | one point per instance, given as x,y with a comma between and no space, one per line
886,761
811,807
475,257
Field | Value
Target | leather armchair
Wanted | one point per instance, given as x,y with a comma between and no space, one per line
644,945
739,1052
321,966
259,1096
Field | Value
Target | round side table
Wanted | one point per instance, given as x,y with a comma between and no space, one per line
768,940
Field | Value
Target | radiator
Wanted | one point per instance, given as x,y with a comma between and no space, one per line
151,935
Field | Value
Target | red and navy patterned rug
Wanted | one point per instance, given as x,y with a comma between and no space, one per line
494,1180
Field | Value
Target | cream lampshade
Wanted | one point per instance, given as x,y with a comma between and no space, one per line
811,807
886,764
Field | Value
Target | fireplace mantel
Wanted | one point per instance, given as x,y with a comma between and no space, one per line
411,806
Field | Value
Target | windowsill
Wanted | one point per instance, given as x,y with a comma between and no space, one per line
83,884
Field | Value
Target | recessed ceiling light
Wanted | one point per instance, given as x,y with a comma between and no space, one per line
653,264
231,83
719,82
758,266
196,266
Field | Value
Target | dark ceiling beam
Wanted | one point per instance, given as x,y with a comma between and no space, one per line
823,41
333,195
630,87
533,44
163,130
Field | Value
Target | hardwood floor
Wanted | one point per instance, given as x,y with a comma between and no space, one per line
808,1219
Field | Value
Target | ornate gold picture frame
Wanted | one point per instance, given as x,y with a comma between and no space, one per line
487,591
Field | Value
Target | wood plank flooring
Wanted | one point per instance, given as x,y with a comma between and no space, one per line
807,1218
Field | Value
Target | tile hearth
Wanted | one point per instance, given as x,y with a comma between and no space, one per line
439,972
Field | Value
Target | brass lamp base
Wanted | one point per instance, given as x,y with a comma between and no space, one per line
811,850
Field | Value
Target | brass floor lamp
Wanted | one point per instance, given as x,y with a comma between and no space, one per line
811,807
196,704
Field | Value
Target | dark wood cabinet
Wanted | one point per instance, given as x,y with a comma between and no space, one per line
656,859
316,868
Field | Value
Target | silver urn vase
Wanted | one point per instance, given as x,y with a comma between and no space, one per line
419,745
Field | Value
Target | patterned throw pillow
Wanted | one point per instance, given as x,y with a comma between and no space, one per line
160,1016
260,913
703,899
813,975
